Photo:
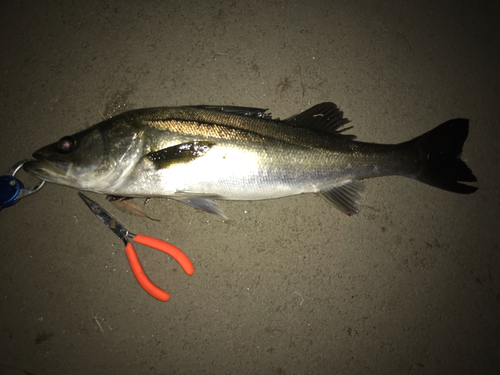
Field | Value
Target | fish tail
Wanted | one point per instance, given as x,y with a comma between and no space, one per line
438,157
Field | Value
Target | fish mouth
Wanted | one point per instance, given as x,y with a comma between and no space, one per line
42,169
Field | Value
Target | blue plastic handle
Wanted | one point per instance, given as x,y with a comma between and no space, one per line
9,190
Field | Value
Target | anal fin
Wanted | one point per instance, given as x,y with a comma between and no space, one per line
345,197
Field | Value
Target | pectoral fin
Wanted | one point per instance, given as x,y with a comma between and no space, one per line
345,197
179,154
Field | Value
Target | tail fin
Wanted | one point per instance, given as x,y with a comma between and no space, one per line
439,153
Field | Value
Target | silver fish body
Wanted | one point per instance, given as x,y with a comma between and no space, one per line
196,154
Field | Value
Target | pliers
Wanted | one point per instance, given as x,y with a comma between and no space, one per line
132,257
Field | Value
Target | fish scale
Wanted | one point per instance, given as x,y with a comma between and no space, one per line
195,154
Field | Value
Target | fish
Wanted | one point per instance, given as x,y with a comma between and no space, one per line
199,154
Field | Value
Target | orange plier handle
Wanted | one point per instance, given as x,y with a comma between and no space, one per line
138,271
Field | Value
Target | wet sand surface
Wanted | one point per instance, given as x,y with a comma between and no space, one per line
411,285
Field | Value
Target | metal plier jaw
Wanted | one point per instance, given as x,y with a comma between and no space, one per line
12,189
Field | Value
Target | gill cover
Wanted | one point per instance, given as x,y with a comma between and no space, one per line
94,158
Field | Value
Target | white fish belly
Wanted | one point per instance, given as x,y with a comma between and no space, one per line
226,173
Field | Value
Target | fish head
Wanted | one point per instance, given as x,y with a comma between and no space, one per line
93,159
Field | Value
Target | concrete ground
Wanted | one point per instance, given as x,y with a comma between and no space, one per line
290,286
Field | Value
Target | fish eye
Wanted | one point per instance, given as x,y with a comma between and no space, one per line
66,144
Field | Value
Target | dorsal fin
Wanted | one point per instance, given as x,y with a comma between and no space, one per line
235,110
324,117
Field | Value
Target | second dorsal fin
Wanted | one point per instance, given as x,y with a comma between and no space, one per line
324,117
